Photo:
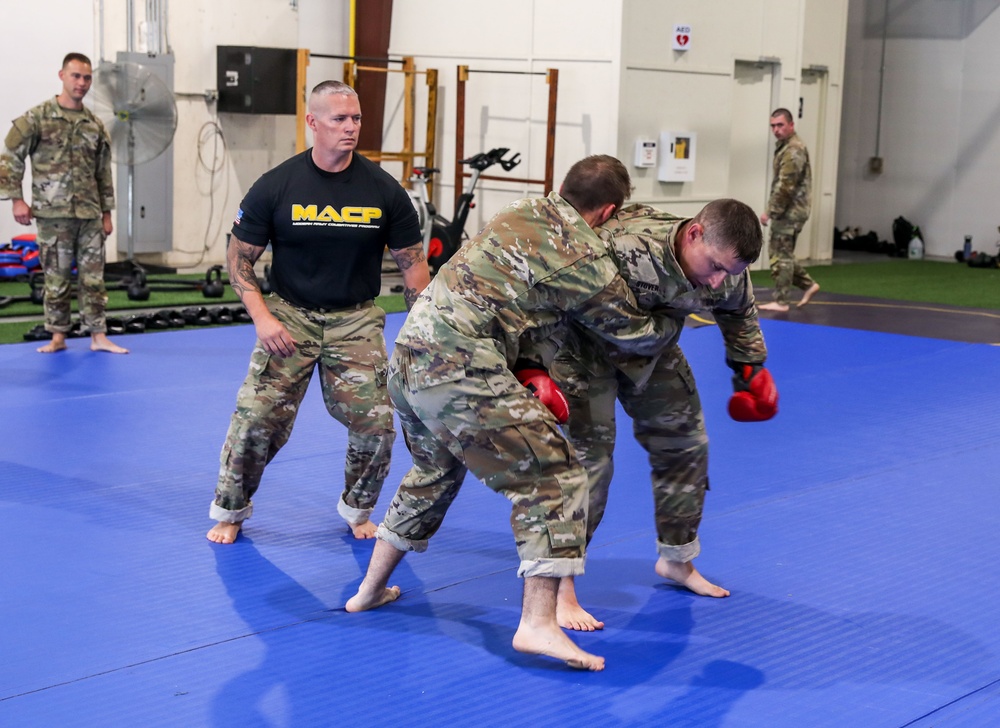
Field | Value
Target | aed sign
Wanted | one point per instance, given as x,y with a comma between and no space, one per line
682,37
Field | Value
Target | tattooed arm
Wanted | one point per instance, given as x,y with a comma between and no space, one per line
416,274
240,257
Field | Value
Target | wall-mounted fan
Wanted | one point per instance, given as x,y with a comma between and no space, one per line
138,110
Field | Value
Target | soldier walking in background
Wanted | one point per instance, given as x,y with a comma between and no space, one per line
787,211
71,201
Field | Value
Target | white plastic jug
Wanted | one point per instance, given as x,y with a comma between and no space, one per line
916,248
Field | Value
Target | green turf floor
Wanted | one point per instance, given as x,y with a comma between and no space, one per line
924,281
162,294
167,292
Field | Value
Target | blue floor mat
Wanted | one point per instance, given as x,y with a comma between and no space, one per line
857,532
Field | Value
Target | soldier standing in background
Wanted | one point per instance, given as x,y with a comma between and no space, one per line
71,201
680,266
787,212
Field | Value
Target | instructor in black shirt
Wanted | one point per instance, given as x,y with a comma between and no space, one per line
328,214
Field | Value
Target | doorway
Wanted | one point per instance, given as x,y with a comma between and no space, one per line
749,147
810,125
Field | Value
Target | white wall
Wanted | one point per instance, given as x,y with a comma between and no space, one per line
742,63
217,157
822,90
618,79
940,130
693,90
212,171
31,56
510,110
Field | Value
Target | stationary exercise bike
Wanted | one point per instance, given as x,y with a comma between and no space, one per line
443,237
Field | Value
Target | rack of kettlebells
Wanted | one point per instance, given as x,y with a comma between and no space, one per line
19,261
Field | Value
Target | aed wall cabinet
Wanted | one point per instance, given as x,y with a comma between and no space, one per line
256,80
677,150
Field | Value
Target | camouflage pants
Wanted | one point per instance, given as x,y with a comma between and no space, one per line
667,422
349,347
61,240
489,424
785,269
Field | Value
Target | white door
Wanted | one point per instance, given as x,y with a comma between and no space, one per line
749,147
810,127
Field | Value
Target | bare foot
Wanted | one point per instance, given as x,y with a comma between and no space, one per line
363,530
374,590
684,573
224,532
773,306
569,613
101,342
58,343
551,641
363,600
807,296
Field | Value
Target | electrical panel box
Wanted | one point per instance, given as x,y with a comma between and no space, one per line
645,153
255,80
148,208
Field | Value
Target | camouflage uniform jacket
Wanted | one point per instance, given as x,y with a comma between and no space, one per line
70,162
534,268
791,186
643,240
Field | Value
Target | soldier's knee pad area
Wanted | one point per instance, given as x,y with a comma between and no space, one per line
518,454
92,281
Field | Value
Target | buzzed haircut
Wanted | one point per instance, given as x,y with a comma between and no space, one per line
330,88
784,113
595,181
327,88
70,57
733,225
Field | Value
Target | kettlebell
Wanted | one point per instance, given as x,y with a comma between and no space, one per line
137,289
213,283
37,288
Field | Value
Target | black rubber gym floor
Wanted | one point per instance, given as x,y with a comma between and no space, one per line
954,323
857,532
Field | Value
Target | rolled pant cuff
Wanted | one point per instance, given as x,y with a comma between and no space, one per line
400,543
354,516
683,553
556,568
220,514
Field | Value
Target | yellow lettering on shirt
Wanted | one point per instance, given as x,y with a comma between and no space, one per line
300,212
312,213
360,214
329,215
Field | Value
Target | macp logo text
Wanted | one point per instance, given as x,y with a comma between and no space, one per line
312,213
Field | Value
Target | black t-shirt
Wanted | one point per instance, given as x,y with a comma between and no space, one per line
327,230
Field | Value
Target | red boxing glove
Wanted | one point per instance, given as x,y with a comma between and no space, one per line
546,390
756,397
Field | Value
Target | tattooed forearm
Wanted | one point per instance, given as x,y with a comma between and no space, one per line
410,297
406,258
240,258
413,264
